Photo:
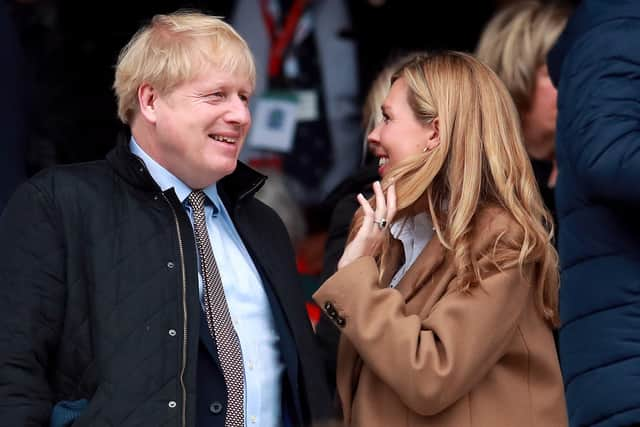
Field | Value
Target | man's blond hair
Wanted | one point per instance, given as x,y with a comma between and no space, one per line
173,49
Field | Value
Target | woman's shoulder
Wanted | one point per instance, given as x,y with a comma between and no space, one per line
495,227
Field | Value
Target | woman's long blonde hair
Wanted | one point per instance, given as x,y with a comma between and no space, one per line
479,162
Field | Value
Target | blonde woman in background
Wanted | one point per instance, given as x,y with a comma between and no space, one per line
446,294
515,44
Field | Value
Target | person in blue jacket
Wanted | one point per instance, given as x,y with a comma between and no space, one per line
596,67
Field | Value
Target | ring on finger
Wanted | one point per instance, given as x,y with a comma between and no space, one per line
382,223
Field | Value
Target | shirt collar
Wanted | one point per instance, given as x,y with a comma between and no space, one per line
166,180
414,232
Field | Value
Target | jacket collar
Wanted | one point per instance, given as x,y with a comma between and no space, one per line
243,182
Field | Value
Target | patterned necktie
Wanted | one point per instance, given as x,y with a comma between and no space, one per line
218,318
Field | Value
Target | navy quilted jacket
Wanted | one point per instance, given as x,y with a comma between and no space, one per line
596,68
98,302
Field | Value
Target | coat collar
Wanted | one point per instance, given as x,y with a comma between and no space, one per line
425,264
243,182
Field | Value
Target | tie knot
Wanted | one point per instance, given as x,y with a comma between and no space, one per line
197,200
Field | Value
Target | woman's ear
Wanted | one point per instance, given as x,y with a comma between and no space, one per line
433,138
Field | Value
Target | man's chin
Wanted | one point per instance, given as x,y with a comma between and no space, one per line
227,168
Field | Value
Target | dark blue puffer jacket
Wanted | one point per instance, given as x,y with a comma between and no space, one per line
596,67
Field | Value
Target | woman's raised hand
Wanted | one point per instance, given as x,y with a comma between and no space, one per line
369,238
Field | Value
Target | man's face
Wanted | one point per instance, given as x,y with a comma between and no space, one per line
201,125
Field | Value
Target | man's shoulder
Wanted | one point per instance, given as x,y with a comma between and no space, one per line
72,181
76,172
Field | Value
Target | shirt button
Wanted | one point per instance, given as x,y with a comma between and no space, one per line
215,407
170,265
172,404
253,419
172,332
250,365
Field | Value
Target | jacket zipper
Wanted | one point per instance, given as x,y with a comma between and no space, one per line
184,313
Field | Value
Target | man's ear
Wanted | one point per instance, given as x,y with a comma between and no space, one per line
147,98
433,139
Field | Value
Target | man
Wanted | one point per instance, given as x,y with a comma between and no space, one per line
129,297
596,67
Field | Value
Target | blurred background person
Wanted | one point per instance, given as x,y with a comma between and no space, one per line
446,311
302,51
596,67
515,44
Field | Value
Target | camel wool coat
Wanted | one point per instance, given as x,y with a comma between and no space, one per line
427,354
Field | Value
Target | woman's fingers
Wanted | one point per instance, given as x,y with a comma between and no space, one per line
364,203
367,218
381,205
391,202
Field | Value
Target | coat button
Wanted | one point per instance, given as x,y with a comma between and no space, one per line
340,321
172,332
170,265
328,306
172,404
215,407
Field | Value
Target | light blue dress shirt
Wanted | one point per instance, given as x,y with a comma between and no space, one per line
248,303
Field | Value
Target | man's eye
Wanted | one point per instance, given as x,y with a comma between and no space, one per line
215,96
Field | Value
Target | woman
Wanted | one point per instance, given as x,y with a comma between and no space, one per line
447,314
515,44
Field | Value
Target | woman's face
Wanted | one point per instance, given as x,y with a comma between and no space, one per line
400,135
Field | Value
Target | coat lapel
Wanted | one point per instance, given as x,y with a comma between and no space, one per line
418,275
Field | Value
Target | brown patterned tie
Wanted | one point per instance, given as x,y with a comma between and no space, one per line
218,318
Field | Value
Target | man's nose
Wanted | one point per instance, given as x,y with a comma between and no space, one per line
238,112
